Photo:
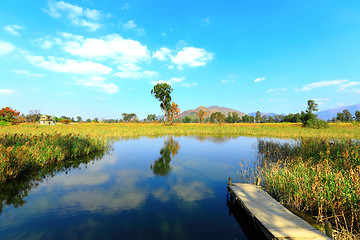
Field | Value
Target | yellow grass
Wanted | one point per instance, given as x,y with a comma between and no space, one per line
121,130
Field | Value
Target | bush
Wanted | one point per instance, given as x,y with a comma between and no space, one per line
317,123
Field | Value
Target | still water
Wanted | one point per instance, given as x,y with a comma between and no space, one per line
147,188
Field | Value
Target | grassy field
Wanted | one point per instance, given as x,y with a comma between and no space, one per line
120,130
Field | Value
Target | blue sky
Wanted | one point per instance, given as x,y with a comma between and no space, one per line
101,58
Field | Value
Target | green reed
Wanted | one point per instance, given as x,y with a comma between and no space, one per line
317,176
21,153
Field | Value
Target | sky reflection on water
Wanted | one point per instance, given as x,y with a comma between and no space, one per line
161,188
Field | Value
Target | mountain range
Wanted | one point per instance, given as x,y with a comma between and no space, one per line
325,114
208,111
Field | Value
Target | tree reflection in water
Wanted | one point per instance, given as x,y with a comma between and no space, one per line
13,192
161,167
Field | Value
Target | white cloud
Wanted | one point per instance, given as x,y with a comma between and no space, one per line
69,65
324,84
97,82
224,81
136,75
110,46
356,91
276,90
7,91
230,78
6,48
162,54
77,15
321,99
126,6
29,74
131,25
175,81
191,56
259,79
13,29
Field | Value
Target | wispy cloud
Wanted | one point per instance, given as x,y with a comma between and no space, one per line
230,78
6,47
68,65
205,21
131,25
77,15
322,99
13,29
259,79
97,82
29,74
276,90
321,84
7,91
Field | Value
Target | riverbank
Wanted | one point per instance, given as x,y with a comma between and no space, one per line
21,153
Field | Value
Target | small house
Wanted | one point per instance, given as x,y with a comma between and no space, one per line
47,120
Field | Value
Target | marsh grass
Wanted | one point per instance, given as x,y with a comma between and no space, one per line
317,176
20,153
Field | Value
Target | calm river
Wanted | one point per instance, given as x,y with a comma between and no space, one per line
146,188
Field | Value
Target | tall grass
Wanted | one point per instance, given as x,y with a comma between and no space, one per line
20,153
120,130
318,176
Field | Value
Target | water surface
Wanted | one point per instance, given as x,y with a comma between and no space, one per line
146,188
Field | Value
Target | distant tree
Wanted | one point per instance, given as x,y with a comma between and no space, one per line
229,118
201,115
187,119
88,120
151,118
162,93
270,119
357,116
96,120
129,117
258,117
79,119
340,117
217,117
10,115
173,112
33,116
235,117
309,119
348,116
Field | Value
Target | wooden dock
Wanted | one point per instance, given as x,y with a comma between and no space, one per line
274,219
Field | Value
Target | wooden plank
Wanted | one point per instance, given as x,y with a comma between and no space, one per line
274,217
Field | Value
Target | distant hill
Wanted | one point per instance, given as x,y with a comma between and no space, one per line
208,111
330,113
262,114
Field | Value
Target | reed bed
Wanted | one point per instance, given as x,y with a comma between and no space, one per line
317,176
20,153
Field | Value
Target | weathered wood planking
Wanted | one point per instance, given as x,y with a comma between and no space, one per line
274,219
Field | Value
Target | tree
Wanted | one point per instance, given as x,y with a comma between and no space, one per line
162,93
96,120
33,116
357,116
187,119
201,115
258,117
218,117
129,117
79,119
10,115
348,116
340,117
235,117
308,116
173,112
151,118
